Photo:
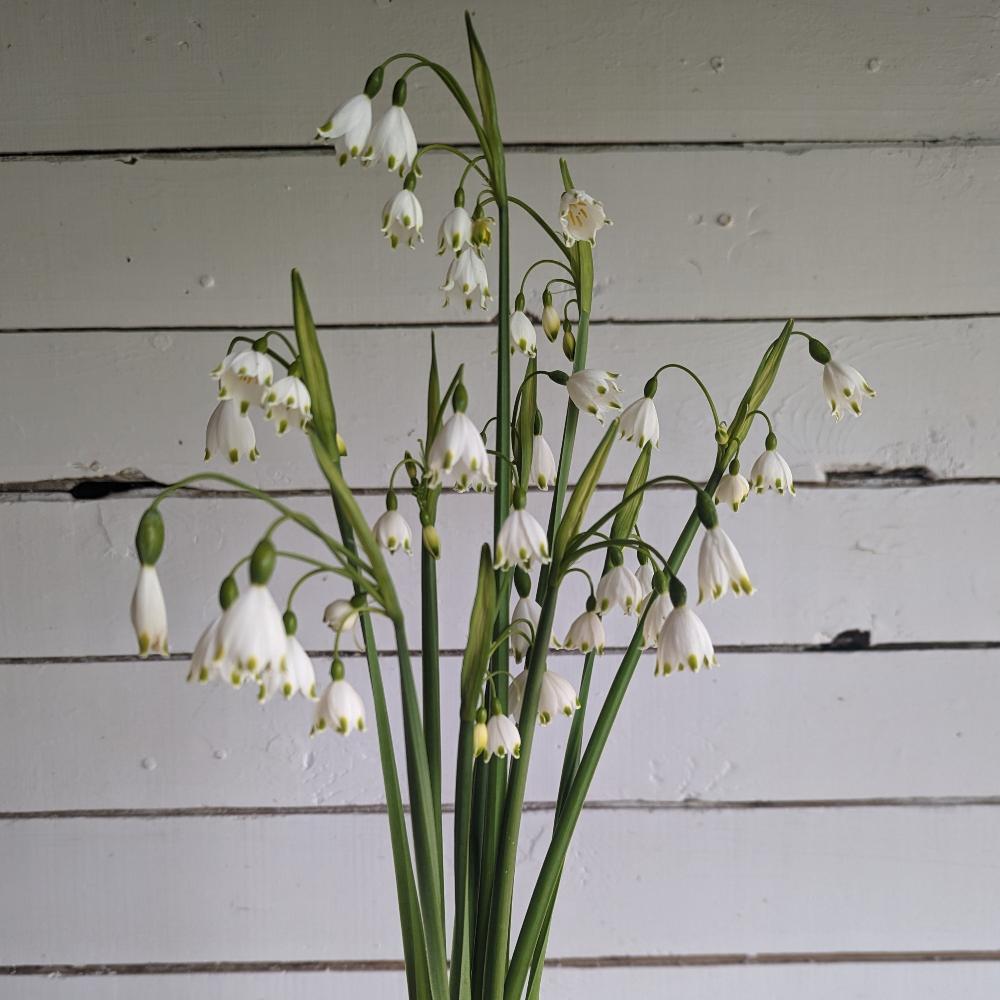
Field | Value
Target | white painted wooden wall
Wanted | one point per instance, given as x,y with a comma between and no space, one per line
803,822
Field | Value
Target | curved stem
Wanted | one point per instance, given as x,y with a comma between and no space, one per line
283,338
761,413
323,567
538,263
298,583
545,226
701,385
470,162
580,569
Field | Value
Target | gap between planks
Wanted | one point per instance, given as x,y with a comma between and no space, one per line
569,962
597,805
129,156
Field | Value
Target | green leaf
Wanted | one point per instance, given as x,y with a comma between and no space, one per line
484,82
526,423
314,373
624,521
433,391
480,636
580,500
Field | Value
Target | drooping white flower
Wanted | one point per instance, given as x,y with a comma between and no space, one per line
455,231
468,272
551,323
522,335
720,567
458,456
659,608
684,642
243,376
251,636
522,634
771,471
149,613
230,432
556,697
502,737
842,383
733,489
296,676
595,391
644,574
402,219
619,587
543,463
287,402
339,708
349,126
581,216
640,424
520,541
205,666
586,633
392,140
392,532
480,735
341,616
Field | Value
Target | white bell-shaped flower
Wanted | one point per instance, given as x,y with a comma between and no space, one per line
402,219
251,635
556,697
619,587
342,616
522,334
287,402
296,675
520,541
205,665
543,463
349,127
502,737
455,231
659,608
595,391
586,633
243,376
149,613
684,642
467,272
771,471
551,323
522,634
733,489
640,424
844,384
340,707
644,574
720,567
230,432
392,141
458,456
580,217
392,532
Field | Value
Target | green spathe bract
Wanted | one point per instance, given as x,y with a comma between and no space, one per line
485,956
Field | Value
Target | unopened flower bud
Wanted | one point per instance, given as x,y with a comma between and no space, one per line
341,446
432,540
568,343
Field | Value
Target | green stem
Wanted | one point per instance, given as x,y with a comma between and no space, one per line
461,981
701,385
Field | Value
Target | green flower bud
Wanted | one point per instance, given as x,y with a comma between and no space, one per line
818,351
519,302
374,82
771,441
262,562
568,343
341,446
149,537
734,467
519,500
560,378
522,581
432,540
722,434
460,398
291,622
615,556
660,582
391,503
705,507
678,592
228,592
651,386
337,670
591,603
411,468
459,199
399,93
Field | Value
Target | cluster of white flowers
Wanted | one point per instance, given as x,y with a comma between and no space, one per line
246,378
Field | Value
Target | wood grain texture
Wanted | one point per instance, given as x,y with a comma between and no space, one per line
864,568
762,727
717,233
732,881
231,73
161,377
970,980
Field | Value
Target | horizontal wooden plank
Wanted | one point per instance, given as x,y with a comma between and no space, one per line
824,562
730,881
156,75
918,419
134,736
903,981
699,233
